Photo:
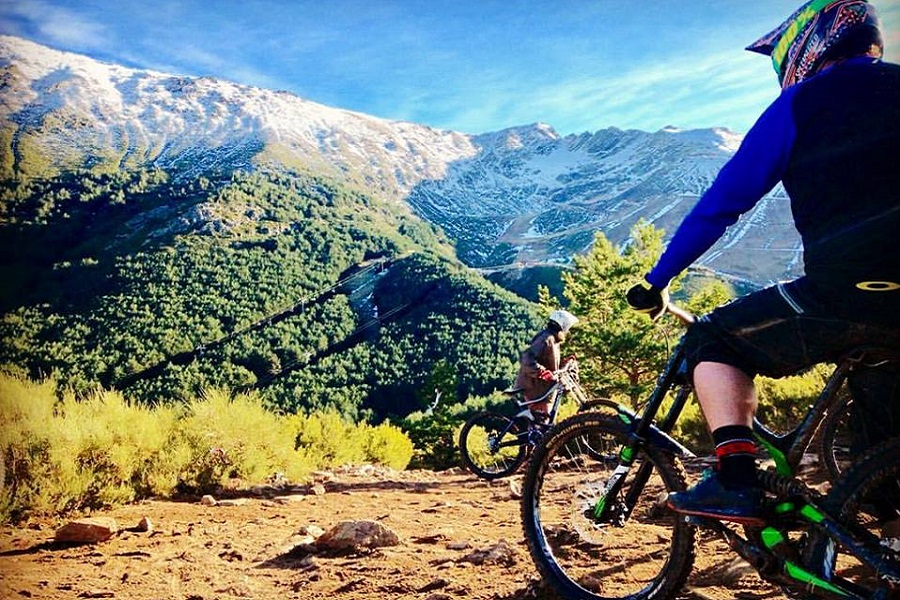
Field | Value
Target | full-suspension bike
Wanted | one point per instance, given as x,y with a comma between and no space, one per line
493,445
597,527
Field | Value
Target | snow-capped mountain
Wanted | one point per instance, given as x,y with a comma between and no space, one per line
79,112
542,196
520,196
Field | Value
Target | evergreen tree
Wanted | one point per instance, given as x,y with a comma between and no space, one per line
620,351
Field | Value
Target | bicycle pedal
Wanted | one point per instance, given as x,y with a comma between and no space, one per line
695,521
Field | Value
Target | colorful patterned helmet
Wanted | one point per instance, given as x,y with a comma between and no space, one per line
563,318
819,31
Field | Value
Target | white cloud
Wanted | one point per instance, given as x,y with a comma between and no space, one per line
720,91
58,25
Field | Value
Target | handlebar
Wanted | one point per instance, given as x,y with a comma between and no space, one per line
567,375
683,315
570,366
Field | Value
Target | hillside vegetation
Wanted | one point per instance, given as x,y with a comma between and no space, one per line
62,454
163,288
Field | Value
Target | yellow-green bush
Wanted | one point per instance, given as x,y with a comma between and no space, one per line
233,438
25,412
61,455
434,437
782,403
325,440
386,444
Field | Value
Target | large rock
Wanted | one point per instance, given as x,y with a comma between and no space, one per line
87,531
348,536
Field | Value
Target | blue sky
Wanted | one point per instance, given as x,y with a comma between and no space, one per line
467,65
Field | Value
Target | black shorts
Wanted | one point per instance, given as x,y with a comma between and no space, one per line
779,331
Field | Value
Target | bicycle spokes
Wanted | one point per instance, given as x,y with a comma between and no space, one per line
578,526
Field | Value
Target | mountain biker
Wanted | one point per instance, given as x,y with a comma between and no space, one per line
538,362
832,138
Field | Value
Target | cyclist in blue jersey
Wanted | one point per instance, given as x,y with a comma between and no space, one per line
832,138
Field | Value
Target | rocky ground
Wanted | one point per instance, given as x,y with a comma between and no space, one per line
440,536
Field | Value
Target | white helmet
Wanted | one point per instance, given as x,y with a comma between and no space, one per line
564,319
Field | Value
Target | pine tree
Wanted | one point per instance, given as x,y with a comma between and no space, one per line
620,351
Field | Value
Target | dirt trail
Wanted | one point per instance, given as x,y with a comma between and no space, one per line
460,537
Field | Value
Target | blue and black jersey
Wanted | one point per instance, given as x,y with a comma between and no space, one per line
834,142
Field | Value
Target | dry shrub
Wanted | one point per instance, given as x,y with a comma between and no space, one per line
63,455
325,440
233,438
386,444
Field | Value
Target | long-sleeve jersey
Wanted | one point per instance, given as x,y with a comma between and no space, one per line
541,354
834,141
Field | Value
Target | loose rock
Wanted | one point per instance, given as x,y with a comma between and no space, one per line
233,502
356,535
87,531
311,530
145,525
499,553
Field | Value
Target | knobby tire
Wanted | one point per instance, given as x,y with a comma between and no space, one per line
479,458
835,439
867,494
649,555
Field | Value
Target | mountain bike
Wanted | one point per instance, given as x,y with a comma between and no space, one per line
597,526
494,445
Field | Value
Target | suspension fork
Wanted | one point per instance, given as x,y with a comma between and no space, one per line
644,434
646,469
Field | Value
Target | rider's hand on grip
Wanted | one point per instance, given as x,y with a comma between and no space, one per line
648,299
546,375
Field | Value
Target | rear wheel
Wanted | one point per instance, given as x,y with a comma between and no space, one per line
836,439
645,553
867,498
601,405
492,445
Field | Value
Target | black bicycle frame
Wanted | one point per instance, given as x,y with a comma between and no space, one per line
787,449
522,436
645,433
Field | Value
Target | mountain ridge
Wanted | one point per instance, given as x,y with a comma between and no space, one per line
148,118
521,196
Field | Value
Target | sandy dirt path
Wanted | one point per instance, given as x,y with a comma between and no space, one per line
459,537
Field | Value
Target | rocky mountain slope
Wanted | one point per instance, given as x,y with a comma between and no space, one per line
532,196
510,199
61,111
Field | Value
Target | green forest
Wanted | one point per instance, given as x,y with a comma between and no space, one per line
161,289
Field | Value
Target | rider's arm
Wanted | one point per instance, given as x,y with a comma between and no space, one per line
751,173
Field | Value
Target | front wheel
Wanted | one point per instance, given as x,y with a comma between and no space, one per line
589,545
492,445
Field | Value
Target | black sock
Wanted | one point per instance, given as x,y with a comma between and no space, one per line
736,454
